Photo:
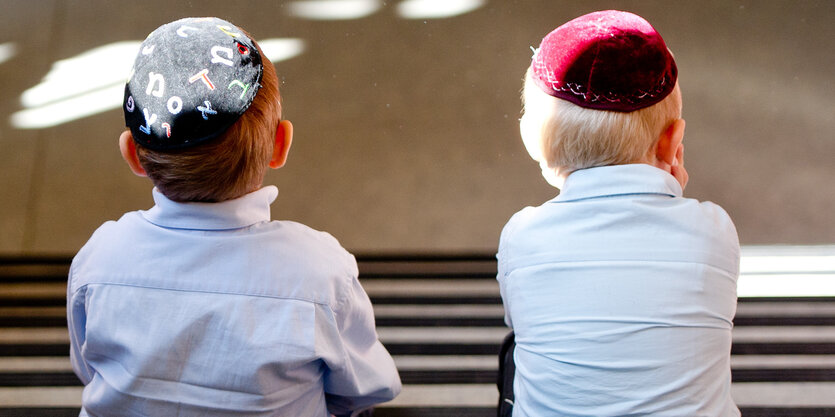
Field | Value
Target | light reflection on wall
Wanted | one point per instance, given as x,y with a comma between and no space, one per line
436,9
86,84
281,49
94,81
356,9
334,9
7,51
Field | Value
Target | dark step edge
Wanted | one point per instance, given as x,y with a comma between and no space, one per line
62,349
387,411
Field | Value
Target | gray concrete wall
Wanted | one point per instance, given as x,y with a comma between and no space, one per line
406,130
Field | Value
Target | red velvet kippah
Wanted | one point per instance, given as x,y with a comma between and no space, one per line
607,60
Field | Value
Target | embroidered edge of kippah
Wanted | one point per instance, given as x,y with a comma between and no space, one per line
580,95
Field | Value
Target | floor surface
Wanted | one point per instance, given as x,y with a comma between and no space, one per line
406,117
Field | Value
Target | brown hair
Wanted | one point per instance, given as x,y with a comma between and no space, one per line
231,165
572,137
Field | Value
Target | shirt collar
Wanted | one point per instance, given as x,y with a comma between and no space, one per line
230,214
615,180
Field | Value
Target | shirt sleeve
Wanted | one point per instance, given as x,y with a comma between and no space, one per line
502,257
361,373
76,324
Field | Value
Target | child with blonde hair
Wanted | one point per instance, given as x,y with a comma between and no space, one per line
203,306
620,292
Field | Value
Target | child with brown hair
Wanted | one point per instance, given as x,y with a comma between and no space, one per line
621,292
203,306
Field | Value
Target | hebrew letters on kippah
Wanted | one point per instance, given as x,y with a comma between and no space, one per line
192,79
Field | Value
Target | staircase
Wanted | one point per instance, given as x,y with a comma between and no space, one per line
441,318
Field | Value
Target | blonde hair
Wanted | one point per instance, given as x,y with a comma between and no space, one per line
229,166
573,137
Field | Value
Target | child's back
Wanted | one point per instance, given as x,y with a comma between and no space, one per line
621,297
227,315
620,292
209,308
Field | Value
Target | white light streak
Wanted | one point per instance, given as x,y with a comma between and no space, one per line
70,109
86,84
334,9
94,82
7,51
795,264
786,285
281,49
436,9
89,71
787,271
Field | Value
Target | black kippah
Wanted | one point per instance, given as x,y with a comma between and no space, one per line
192,79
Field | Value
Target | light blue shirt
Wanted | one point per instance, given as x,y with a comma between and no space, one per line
621,294
211,309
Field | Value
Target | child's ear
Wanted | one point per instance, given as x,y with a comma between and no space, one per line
669,142
283,140
128,148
